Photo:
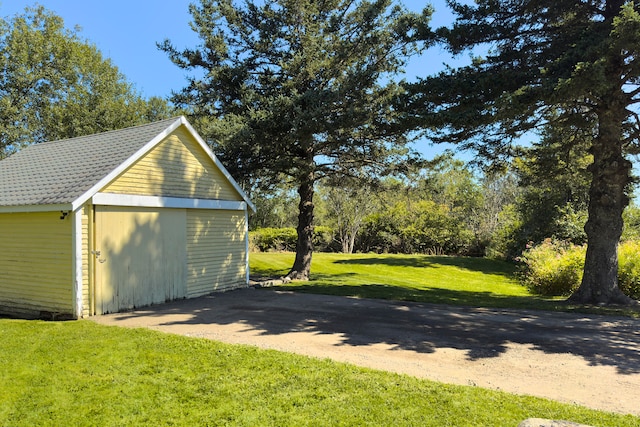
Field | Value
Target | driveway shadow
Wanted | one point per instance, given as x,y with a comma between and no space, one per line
419,327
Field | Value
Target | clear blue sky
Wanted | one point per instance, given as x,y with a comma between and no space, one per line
127,32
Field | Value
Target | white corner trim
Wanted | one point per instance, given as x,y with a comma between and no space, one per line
77,249
246,245
131,200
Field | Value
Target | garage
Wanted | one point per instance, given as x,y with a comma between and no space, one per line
119,220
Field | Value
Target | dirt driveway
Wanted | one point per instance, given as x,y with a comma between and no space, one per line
592,361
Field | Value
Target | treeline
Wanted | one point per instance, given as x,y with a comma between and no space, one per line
445,208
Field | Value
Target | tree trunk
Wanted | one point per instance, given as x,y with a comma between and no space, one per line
348,240
344,241
607,200
304,248
352,241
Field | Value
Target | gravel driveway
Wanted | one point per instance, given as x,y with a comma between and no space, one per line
588,360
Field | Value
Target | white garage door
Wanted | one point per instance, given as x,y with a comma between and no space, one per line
140,257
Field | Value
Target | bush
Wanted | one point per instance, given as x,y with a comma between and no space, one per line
420,227
552,268
555,268
629,269
323,240
504,243
273,239
285,239
631,217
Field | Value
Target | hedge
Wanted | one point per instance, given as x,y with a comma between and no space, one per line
285,239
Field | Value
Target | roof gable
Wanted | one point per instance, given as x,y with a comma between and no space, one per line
69,172
175,167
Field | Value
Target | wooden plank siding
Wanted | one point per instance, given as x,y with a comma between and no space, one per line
176,167
36,263
216,251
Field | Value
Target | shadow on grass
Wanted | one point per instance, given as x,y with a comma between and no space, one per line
418,327
481,265
430,295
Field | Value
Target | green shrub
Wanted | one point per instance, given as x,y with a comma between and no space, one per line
631,217
552,268
555,268
273,239
323,240
504,243
629,268
285,239
423,226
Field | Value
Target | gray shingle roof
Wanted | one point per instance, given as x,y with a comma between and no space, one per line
59,172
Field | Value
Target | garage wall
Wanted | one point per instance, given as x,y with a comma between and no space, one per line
177,167
215,240
216,251
36,263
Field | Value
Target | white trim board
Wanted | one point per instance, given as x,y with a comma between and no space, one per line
77,250
130,200
36,208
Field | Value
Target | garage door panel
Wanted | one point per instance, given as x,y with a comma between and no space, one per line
141,257
216,249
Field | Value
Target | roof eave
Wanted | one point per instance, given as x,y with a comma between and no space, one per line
80,201
37,208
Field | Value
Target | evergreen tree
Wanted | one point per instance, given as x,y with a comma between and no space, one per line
300,88
555,186
579,58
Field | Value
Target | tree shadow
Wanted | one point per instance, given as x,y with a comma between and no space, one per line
420,327
427,261
431,295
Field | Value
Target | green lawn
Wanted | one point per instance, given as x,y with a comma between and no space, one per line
465,281
422,278
82,374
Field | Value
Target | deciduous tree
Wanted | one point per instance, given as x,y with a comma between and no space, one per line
347,204
54,85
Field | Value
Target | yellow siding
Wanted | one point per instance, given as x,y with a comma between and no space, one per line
216,251
177,167
36,263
